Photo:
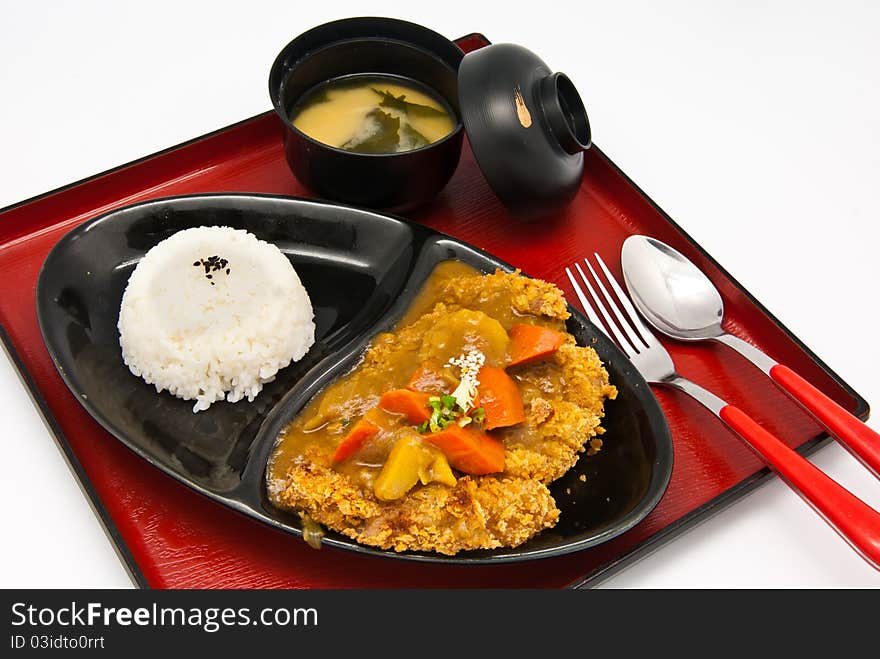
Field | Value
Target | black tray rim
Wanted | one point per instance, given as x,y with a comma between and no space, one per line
698,515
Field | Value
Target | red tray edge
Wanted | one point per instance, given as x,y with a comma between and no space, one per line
732,494
690,521
130,163
863,410
639,551
128,561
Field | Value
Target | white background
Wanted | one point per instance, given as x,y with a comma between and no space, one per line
756,125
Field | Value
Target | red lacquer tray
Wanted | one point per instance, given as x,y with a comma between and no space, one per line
169,536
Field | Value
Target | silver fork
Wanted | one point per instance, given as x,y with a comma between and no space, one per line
852,518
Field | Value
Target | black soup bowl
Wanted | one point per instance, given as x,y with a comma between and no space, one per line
391,181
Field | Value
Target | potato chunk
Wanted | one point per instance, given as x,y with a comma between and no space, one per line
462,331
411,460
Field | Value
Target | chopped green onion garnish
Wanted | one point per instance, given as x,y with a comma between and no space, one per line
479,415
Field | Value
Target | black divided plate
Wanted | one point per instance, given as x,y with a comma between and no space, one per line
361,270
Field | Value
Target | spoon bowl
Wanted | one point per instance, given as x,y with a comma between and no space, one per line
670,291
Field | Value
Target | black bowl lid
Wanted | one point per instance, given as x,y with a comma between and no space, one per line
527,126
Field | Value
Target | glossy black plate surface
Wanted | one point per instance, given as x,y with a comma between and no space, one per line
361,270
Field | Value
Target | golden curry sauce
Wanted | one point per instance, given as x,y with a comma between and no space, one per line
549,412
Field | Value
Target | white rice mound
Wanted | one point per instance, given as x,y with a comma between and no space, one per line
206,338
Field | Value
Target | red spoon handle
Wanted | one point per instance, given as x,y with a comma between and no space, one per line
852,518
861,441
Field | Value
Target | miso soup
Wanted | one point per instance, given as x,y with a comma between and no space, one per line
373,114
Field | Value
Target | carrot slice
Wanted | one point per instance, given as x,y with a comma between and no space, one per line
412,404
363,430
428,378
469,450
499,396
529,343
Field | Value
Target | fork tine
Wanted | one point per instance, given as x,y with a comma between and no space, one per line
638,342
647,335
621,339
585,303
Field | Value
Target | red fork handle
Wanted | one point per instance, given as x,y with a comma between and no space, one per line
852,518
858,438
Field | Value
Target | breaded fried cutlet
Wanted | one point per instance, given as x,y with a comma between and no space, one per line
562,398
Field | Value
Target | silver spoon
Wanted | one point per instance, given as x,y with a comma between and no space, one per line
680,301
